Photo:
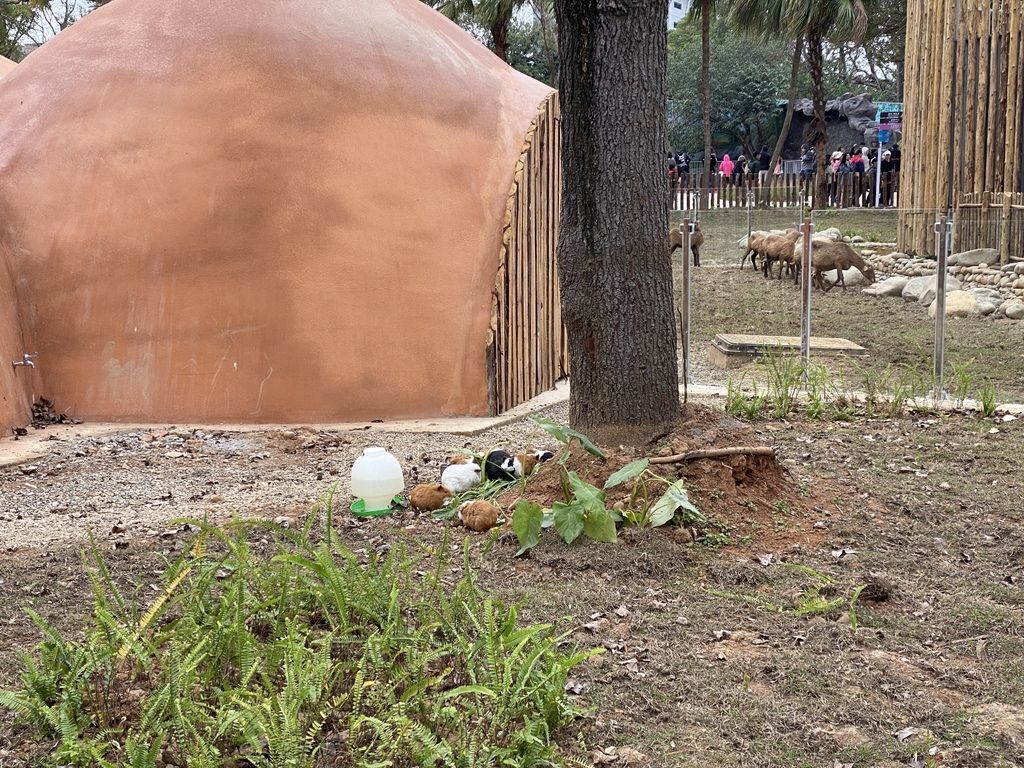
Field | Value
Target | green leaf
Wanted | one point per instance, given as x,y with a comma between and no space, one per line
526,522
464,689
548,520
568,521
599,526
588,445
674,499
566,435
586,495
627,473
553,428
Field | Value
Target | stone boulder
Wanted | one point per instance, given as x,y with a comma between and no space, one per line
1014,310
892,287
976,258
922,288
832,233
988,299
958,304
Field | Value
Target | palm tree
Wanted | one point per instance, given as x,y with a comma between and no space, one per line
494,15
794,83
817,21
706,11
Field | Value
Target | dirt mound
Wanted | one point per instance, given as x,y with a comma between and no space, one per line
749,497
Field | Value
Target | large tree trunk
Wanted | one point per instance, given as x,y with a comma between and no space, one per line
787,123
613,257
817,131
705,82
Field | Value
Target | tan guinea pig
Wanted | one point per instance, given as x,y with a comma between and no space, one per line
429,497
525,463
479,516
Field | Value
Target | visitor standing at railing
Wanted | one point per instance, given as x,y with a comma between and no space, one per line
764,165
887,179
726,168
683,167
857,176
739,171
753,171
808,158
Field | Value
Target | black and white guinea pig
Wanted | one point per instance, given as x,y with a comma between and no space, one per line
501,465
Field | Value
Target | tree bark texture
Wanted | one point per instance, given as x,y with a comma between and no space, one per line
614,264
499,36
705,81
794,84
817,129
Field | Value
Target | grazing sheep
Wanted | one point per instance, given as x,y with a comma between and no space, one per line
752,247
839,256
675,241
778,248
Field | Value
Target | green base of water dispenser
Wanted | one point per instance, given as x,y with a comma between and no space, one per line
359,508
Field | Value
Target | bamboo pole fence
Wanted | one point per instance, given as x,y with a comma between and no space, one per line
528,348
964,102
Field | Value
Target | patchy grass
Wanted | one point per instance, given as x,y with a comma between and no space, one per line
709,660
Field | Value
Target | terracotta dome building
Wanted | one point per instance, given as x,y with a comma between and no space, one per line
316,211
6,65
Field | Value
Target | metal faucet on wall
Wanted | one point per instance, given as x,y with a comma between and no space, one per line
27,360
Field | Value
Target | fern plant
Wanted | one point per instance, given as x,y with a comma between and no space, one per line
259,660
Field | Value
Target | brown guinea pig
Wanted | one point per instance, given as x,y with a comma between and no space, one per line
479,516
429,497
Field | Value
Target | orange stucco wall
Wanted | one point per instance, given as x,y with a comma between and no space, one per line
15,383
274,212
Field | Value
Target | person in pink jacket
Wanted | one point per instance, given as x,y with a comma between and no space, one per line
726,167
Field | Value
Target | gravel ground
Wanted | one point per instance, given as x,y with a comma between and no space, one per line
135,482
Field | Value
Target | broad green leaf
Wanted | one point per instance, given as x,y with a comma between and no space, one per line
599,526
553,428
588,444
568,521
588,496
526,522
548,520
566,435
674,499
627,473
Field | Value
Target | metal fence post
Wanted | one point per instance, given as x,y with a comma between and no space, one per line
943,245
806,265
750,206
686,230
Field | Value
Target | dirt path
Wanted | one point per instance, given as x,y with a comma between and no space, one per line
726,655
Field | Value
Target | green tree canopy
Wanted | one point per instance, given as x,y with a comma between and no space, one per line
747,81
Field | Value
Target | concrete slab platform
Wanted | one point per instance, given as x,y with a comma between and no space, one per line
732,350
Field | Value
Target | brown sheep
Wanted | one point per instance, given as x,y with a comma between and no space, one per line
754,244
839,257
675,241
778,248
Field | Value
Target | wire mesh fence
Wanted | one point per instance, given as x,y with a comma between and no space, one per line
886,326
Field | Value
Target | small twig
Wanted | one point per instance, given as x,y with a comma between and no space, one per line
714,453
